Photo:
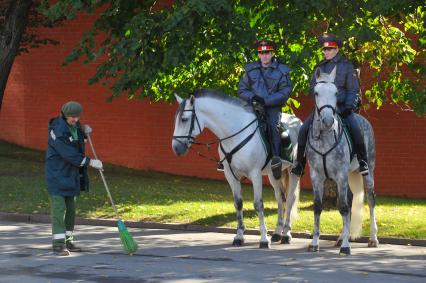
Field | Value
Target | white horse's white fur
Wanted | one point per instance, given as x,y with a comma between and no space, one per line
225,116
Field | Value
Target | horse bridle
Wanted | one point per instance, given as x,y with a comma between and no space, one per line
324,106
227,155
190,138
338,138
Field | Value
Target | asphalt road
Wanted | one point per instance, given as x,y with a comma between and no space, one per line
183,256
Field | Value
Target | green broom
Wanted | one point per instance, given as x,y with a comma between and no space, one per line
127,241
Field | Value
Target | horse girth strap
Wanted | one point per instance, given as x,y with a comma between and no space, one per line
324,155
228,155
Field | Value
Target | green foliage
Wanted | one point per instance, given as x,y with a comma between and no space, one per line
145,51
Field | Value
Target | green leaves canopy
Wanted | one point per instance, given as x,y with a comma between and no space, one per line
144,50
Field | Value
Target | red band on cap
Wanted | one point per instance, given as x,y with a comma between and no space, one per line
265,48
330,44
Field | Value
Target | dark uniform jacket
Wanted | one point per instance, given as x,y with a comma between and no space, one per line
275,91
346,81
66,163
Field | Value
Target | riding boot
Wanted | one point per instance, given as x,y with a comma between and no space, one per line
276,167
299,169
361,153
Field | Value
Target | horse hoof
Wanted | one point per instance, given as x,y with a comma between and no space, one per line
238,242
276,238
313,248
338,243
373,243
345,251
286,240
264,245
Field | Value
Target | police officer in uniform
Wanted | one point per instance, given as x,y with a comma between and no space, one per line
347,99
66,173
266,83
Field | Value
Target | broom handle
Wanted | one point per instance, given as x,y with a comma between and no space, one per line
103,178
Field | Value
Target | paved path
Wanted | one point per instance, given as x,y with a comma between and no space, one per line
182,256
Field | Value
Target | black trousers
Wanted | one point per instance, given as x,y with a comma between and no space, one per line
273,119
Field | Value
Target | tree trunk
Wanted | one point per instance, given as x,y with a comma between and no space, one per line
16,20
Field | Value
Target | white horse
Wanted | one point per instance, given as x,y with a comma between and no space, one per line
329,155
243,153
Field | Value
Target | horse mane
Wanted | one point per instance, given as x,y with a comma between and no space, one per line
210,93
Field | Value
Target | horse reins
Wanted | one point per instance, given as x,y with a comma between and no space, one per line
228,155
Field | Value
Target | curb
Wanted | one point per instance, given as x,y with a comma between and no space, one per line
43,218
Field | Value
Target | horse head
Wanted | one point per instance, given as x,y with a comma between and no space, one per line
187,125
325,92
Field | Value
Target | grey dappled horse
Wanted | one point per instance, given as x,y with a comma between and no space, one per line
236,127
328,153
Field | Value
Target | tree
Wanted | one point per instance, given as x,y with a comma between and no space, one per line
145,51
15,17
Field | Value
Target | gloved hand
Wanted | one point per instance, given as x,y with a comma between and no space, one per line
86,129
346,112
96,163
258,99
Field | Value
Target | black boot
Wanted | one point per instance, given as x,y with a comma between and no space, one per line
276,167
363,167
361,153
299,169
73,248
61,250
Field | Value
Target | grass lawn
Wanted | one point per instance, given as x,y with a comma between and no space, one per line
152,196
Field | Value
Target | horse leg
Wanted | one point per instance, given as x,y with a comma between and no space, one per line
256,179
343,187
238,204
371,197
339,239
318,188
279,195
291,205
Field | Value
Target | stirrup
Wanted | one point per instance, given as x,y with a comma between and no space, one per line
276,167
363,168
220,167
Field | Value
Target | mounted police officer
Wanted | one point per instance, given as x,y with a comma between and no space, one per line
66,173
347,100
266,84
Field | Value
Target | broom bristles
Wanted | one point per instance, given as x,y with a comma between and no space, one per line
129,244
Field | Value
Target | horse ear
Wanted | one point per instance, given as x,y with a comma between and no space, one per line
317,73
191,99
333,74
178,98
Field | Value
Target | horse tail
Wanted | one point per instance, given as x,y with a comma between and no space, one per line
356,185
292,184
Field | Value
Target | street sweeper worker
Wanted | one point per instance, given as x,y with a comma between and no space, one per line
66,173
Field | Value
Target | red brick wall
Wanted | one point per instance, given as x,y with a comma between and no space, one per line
138,133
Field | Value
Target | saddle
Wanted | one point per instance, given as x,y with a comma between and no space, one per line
286,145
